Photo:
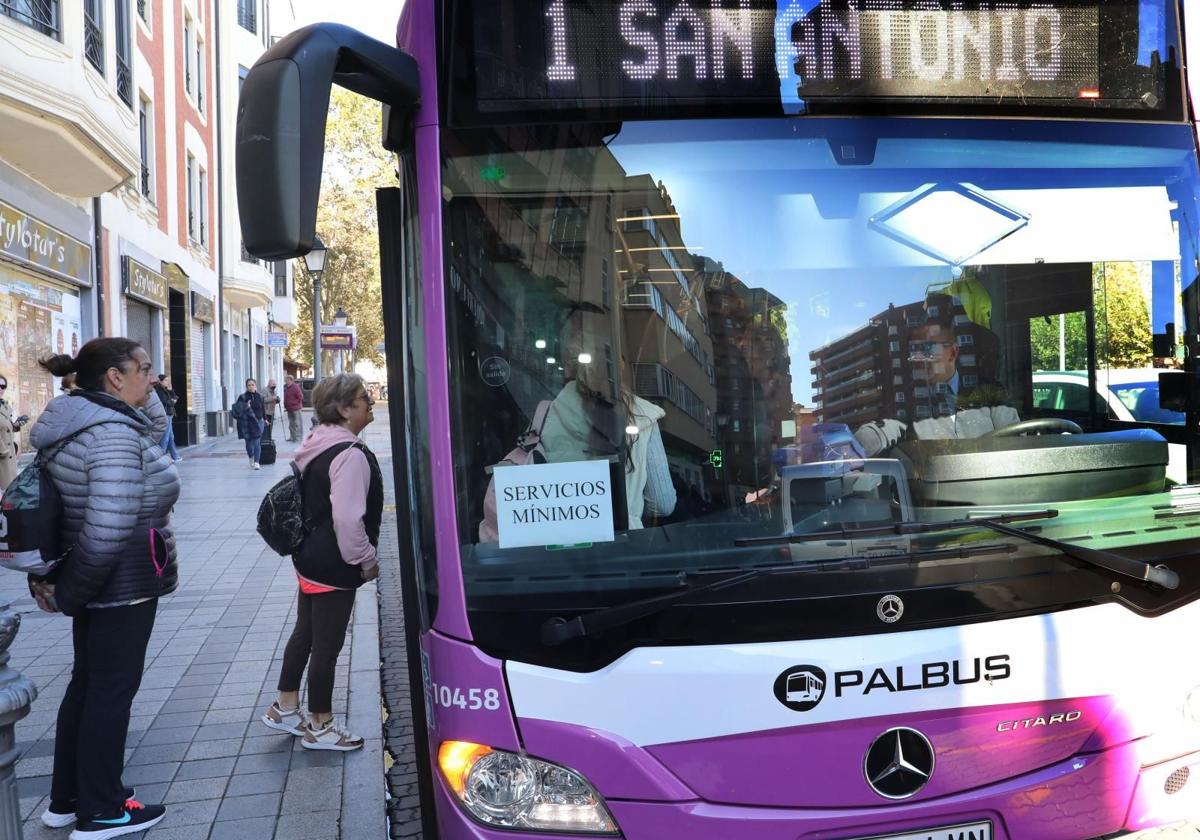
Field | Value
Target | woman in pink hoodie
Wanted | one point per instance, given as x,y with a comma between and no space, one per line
343,501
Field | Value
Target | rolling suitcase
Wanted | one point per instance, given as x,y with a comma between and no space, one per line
267,455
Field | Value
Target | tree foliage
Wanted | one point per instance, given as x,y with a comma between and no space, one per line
355,165
1122,319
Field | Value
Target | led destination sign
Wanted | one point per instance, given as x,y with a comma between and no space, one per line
564,54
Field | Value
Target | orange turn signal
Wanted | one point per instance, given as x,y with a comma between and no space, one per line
456,758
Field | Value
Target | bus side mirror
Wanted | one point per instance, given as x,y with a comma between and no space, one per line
280,138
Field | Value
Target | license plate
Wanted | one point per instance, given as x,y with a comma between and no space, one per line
965,831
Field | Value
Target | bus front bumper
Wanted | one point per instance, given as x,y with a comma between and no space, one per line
1087,796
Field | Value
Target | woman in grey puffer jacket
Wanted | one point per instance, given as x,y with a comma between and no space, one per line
118,488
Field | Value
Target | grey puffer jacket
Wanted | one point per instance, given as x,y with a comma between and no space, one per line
118,488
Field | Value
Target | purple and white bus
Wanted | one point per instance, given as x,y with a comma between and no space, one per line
737,499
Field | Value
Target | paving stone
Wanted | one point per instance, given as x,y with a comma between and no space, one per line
264,763
190,813
199,831
171,735
281,742
245,807
158,754
309,826
259,828
314,789
252,783
214,749
209,768
189,790
150,773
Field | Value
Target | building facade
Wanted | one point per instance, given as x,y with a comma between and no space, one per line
117,210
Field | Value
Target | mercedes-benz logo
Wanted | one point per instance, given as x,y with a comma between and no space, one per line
898,763
889,609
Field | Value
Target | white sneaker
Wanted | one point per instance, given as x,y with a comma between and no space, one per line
256,466
285,720
331,736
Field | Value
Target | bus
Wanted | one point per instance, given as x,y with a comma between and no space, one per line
633,250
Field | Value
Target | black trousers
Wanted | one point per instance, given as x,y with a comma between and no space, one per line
93,718
317,639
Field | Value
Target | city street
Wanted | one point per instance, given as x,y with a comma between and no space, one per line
195,740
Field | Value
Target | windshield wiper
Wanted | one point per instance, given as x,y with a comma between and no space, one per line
900,528
556,631
1107,560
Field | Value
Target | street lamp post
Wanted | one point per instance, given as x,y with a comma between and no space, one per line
314,260
340,317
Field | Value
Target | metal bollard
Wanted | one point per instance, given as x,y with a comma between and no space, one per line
17,693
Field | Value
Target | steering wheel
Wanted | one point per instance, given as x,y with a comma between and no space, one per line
1038,426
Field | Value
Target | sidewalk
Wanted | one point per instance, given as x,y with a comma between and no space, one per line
195,742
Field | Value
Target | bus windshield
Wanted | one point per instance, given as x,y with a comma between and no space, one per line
674,345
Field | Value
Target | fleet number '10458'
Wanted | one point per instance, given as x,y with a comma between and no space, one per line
473,699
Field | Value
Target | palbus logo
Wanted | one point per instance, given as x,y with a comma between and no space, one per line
801,687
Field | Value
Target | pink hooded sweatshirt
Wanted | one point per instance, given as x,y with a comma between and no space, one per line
349,483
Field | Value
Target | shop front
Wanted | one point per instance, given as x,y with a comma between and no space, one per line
204,314
42,274
146,301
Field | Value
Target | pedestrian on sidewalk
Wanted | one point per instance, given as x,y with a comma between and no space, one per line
250,415
118,488
167,397
293,404
343,493
271,402
9,428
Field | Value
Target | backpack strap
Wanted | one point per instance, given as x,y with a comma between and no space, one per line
53,449
539,416
302,475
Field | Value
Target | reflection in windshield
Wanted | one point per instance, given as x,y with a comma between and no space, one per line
761,337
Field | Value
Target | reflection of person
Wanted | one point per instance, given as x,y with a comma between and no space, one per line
581,425
249,413
344,501
966,411
118,488
9,427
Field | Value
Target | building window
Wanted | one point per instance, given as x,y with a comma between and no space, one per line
966,360
124,51
737,425
190,177
187,53
970,380
897,379
199,65
146,144
41,15
243,72
895,362
93,33
966,340
922,411
281,290
143,11
899,396
932,311
202,206
901,414
605,291
247,14
894,346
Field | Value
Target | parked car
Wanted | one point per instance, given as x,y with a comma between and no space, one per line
1131,395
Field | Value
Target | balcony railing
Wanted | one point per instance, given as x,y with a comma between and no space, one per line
141,7
124,80
247,257
42,15
93,42
146,182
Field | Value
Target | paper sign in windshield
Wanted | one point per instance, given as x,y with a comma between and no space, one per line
553,504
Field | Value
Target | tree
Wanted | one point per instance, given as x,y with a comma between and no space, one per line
355,165
1122,325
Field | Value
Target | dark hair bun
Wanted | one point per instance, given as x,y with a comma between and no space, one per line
59,365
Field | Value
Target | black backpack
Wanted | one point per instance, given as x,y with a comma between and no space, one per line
281,520
31,510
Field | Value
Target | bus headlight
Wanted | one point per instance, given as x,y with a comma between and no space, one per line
514,791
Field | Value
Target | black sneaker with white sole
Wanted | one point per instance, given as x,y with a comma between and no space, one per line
62,814
135,817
